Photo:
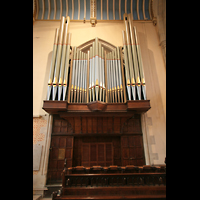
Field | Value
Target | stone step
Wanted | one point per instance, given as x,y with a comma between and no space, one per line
37,197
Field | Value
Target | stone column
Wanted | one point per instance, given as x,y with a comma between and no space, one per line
159,20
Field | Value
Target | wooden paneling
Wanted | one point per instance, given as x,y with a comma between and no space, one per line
61,148
97,125
97,154
132,150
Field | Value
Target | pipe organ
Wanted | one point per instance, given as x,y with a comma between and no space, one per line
96,94
96,71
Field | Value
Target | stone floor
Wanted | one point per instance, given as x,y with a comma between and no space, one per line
39,197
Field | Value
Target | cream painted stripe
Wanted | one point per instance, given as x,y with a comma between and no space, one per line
138,10
84,9
78,9
72,9
54,17
60,9
119,9
42,9
49,9
143,9
114,9
107,11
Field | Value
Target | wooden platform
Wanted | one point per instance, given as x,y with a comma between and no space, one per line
98,107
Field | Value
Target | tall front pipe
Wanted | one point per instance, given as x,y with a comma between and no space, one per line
52,67
58,58
76,74
130,56
73,76
96,70
93,72
120,74
66,66
90,76
127,74
100,73
140,64
116,76
134,54
63,56
103,74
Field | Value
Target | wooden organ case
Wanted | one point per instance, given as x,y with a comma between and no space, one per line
96,98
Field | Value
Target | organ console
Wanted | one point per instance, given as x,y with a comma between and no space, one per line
96,72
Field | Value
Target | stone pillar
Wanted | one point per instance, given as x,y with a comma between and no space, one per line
159,20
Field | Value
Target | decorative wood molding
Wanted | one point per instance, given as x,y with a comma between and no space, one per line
97,106
88,109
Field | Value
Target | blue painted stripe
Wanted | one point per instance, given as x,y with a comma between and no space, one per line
110,9
52,9
70,8
46,7
135,17
117,9
147,9
75,9
98,9
104,9
40,9
64,8
81,9
141,10
87,9
128,6
57,9
122,9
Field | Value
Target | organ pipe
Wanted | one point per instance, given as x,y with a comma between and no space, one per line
52,67
63,58
130,59
132,51
98,74
140,64
58,57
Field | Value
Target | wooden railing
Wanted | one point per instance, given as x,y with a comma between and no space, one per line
107,180
148,181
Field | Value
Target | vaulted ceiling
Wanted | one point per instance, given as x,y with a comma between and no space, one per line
82,9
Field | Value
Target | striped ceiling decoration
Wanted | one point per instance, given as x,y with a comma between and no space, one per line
105,9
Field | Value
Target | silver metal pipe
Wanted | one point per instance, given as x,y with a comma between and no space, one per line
73,75
127,73
58,57
140,63
96,70
130,56
63,56
52,67
134,54
66,66
103,74
120,74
